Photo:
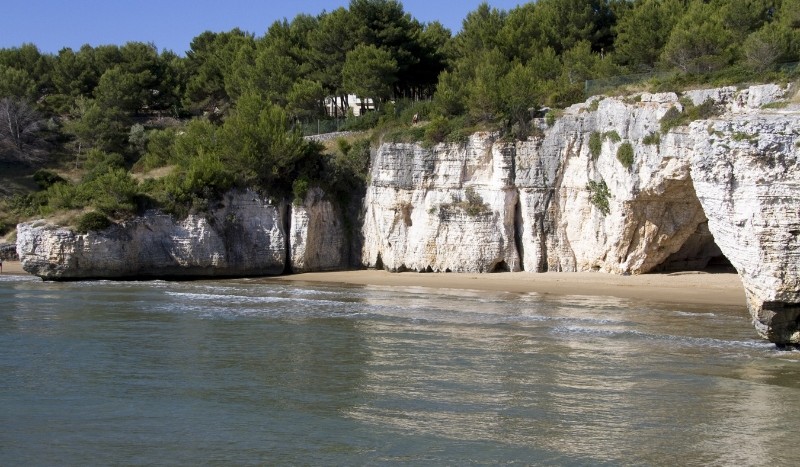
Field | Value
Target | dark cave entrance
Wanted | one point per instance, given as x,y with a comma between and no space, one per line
698,253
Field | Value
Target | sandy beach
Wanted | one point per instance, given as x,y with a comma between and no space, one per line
12,267
693,288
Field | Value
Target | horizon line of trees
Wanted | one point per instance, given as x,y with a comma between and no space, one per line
497,67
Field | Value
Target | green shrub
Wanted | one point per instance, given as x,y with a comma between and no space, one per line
550,118
92,221
160,150
652,138
472,204
437,130
612,136
364,122
599,195
98,162
594,105
343,145
45,179
672,119
595,144
708,109
112,193
405,135
300,190
64,196
625,154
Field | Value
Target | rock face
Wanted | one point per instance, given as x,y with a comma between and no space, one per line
746,172
243,235
721,189
317,235
448,209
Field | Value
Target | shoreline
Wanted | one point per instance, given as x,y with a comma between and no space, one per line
13,268
686,288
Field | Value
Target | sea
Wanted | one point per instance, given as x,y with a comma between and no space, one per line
259,372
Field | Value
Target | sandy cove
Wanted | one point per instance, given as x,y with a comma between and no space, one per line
691,288
13,268
722,289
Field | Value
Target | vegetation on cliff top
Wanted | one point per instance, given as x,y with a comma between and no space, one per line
128,127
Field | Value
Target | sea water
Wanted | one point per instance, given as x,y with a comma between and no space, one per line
243,372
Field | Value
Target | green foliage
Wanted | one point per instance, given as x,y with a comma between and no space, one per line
653,138
599,195
699,42
472,204
404,135
765,47
483,90
625,154
45,178
369,72
612,136
671,119
92,221
103,109
675,117
300,189
595,144
159,150
643,32
437,130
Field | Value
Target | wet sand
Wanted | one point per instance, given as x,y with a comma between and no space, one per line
695,288
13,268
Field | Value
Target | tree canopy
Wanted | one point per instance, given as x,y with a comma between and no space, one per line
233,100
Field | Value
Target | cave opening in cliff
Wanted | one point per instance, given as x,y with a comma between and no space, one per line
699,252
502,266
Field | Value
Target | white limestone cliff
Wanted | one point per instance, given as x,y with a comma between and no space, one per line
746,172
242,235
317,240
726,186
448,208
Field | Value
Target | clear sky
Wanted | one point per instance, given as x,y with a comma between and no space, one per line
171,24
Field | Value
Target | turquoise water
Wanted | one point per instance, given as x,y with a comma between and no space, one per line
246,372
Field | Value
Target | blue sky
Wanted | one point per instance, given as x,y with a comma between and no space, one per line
171,24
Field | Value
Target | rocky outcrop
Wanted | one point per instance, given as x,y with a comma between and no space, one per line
445,209
721,189
244,234
318,239
746,172
8,252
